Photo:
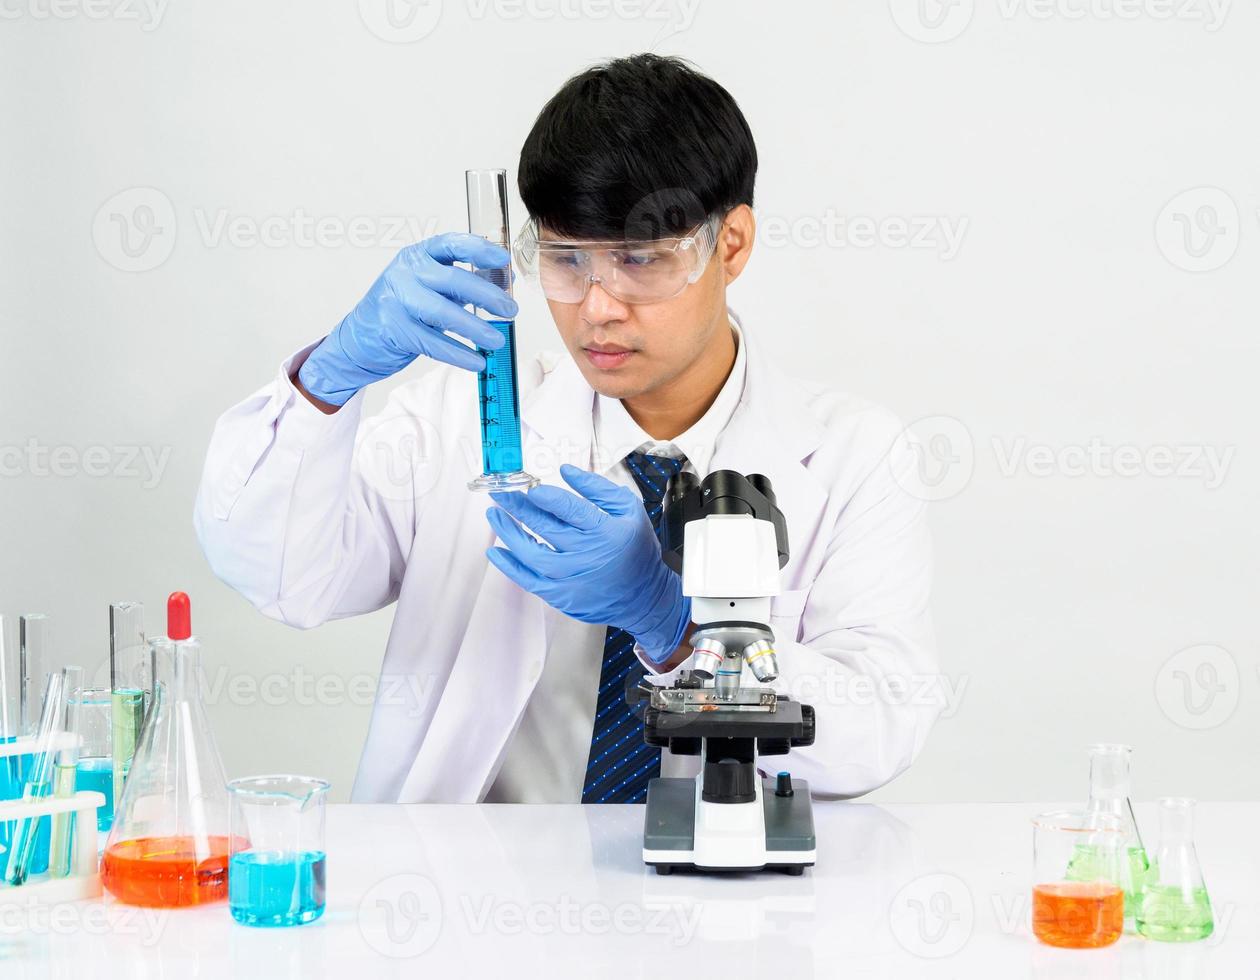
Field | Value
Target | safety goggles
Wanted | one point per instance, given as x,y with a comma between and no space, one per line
633,272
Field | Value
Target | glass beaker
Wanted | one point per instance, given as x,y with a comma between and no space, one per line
1110,792
169,843
94,706
1077,904
1175,906
277,873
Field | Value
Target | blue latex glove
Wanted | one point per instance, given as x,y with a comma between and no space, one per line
420,294
604,565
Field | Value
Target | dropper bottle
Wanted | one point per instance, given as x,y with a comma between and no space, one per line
169,843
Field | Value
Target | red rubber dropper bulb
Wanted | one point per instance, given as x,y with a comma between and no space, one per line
178,616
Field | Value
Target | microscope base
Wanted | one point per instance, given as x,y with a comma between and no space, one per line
681,830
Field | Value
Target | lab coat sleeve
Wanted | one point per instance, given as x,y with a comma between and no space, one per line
288,515
866,655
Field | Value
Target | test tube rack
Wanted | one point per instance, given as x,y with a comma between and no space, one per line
84,879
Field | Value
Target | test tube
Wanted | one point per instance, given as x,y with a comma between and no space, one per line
501,457
131,681
65,771
33,641
10,671
38,780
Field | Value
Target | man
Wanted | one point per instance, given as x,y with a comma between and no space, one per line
506,667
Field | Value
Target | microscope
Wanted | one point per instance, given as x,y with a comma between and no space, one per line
728,539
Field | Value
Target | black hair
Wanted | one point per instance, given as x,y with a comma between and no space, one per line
636,148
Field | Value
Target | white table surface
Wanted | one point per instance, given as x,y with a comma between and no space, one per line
933,890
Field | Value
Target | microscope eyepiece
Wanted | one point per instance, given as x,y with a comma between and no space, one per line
761,484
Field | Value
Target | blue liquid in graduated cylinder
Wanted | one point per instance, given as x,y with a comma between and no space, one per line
98,774
276,888
500,412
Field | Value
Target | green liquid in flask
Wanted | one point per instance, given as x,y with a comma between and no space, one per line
1174,915
1088,865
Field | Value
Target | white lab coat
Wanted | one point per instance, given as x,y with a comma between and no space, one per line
315,517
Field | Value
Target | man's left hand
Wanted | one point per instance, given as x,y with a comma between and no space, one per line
600,563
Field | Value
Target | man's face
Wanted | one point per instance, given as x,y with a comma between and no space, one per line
626,350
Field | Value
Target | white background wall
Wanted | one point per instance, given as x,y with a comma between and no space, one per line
1068,141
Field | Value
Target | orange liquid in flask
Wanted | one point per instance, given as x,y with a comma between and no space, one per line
1078,915
167,872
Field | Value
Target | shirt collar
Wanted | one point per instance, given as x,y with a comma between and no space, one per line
617,434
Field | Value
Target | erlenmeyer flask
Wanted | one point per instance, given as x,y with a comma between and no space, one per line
169,843
1174,906
1109,792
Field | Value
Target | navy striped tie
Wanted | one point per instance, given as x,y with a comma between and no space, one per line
620,763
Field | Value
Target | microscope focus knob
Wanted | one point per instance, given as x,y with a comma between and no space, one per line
651,718
806,737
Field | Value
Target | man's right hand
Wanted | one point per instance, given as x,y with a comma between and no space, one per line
418,296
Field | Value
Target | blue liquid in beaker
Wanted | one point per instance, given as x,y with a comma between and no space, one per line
98,774
276,888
